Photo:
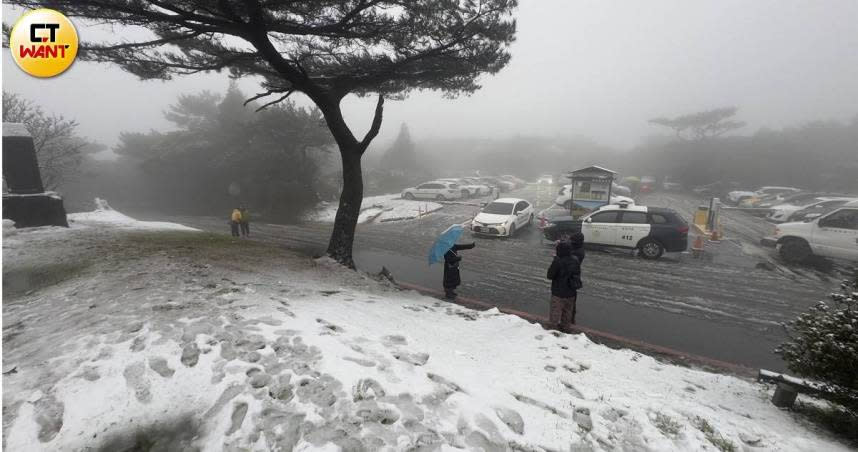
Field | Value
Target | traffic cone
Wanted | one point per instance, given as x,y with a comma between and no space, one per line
697,246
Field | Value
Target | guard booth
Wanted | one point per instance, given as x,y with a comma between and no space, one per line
591,189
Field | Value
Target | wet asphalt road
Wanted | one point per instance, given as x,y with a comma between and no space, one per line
721,306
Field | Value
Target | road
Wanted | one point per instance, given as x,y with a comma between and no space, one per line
721,306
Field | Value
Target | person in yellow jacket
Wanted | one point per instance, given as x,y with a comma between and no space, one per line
235,221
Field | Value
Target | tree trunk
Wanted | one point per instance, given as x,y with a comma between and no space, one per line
351,197
342,237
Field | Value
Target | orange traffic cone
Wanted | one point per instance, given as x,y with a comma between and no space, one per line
697,246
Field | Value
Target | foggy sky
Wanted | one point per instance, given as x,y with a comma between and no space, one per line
598,68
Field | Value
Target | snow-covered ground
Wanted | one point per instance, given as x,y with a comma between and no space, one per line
184,340
379,209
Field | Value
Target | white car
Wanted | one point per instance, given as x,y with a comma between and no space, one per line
437,190
782,212
834,235
564,198
517,182
482,189
502,217
737,196
545,179
468,189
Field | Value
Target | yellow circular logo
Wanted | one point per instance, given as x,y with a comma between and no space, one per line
43,43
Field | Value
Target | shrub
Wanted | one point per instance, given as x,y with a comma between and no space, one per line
823,345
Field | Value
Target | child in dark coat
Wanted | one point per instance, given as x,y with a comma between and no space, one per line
565,275
452,279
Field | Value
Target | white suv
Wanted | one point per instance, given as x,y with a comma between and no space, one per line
438,190
833,235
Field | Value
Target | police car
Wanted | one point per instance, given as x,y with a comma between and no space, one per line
651,230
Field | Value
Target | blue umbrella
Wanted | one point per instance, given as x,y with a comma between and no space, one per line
444,242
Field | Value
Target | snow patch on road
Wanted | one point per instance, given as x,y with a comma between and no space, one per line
378,209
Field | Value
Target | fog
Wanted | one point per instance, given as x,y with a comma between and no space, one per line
598,69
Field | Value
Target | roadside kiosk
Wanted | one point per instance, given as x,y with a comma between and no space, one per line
591,189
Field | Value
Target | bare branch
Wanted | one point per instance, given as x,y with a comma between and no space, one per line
376,125
281,99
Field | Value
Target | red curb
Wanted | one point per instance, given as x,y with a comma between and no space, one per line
601,336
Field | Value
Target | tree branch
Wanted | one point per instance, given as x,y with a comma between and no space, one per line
376,125
281,99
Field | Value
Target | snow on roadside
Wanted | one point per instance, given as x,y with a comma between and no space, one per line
104,215
237,347
378,209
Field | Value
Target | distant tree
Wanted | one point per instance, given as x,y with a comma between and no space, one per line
326,49
401,155
58,148
268,158
702,125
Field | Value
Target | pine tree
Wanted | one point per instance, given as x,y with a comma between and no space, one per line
401,156
823,345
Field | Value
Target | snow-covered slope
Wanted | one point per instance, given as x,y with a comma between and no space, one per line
105,216
193,340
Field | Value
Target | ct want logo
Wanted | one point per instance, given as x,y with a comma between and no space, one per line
43,43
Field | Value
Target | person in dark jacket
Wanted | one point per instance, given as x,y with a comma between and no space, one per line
452,279
564,273
245,222
576,240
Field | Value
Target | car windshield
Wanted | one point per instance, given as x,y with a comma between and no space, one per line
498,208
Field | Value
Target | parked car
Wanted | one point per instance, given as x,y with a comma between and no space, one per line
736,197
551,212
564,198
468,189
780,213
502,217
483,189
715,189
647,184
502,185
620,190
651,230
819,209
518,183
545,179
438,190
833,235
670,185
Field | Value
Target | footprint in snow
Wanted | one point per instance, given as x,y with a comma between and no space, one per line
416,359
190,355
135,378
48,414
394,340
330,327
160,366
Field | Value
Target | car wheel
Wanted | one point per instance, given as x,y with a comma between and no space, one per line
466,194
408,195
650,249
440,198
795,251
512,230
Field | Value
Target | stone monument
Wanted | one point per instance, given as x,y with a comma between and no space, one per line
26,202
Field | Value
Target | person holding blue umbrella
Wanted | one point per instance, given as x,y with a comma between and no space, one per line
445,246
